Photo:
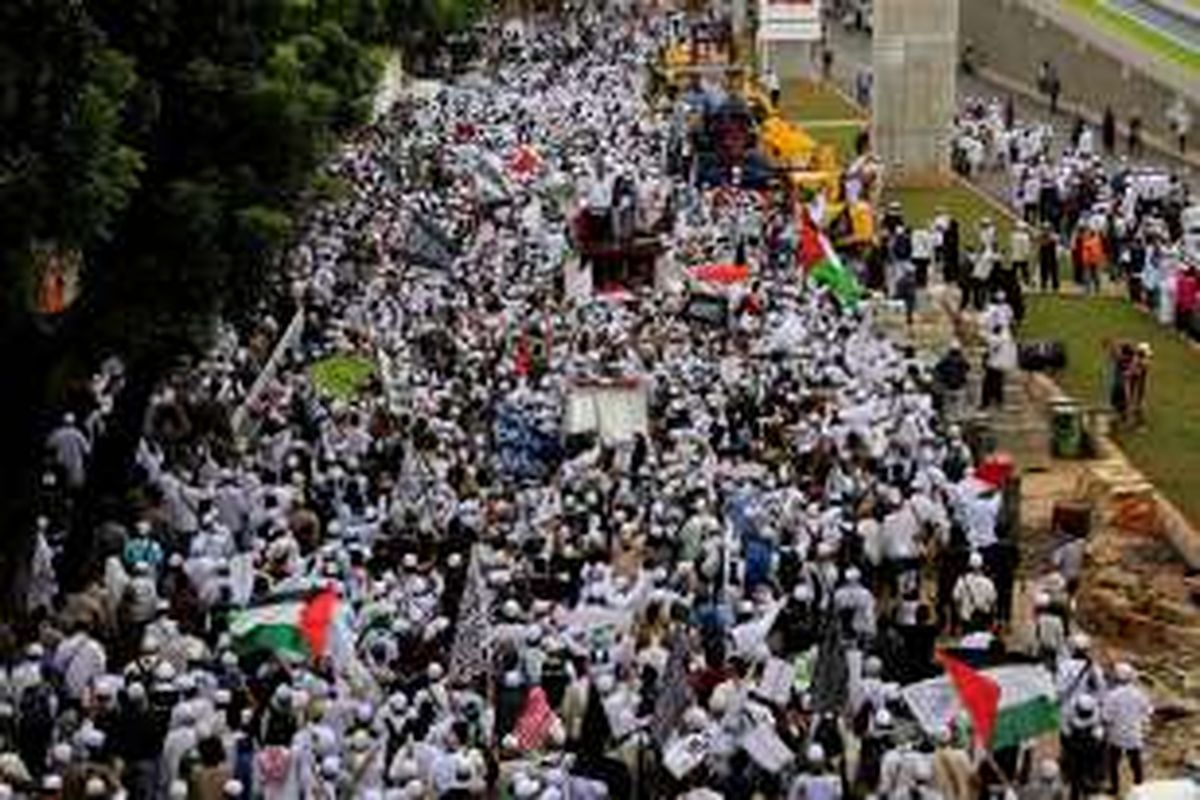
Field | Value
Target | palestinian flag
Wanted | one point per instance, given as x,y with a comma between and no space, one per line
823,265
1027,706
979,695
296,628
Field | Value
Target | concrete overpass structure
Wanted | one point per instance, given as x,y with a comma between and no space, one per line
915,58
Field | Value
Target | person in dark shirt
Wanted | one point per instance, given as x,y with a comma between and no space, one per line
1108,130
1048,260
950,378
950,252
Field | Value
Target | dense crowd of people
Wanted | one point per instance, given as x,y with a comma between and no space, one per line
1115,222
435,588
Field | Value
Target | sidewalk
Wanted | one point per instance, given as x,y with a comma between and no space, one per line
853,55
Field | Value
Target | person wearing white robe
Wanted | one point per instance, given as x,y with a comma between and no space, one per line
79,659
70,450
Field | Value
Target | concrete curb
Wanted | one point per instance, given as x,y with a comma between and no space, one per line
1179,8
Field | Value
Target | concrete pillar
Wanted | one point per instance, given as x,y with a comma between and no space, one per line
916,69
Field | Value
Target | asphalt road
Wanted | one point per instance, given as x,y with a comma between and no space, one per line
1184,31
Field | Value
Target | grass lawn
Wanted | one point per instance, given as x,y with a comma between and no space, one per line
1133,30
841,135
341,377
1167,449
809,101
921,206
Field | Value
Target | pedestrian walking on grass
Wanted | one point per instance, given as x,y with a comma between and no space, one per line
1048,259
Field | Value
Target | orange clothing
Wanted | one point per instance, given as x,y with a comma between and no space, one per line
1092,250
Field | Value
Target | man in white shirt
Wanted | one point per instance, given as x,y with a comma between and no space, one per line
79,659
856,600
974,595
70,450
1126,711
1020,249
922,254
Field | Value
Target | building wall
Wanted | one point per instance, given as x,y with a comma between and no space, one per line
915,58
1013,37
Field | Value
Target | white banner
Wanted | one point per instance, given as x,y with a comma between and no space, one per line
615,411
789,21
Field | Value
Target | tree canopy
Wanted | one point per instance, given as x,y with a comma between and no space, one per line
170,144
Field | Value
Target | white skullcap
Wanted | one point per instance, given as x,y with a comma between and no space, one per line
1048,769
1124,672
975,561
178,790
233,788
815,754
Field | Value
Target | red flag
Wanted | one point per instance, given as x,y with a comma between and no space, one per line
536,720
811,252
720,273
979,694
315,619
524,362
524,162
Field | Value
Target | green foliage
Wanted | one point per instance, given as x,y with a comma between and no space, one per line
171,141
101,170
342,376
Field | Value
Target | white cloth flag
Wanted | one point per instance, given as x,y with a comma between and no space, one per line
469,654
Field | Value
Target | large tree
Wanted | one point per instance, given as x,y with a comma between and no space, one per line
168,143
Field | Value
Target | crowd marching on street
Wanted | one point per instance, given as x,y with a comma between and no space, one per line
789,575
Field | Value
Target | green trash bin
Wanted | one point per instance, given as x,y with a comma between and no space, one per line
1066,421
